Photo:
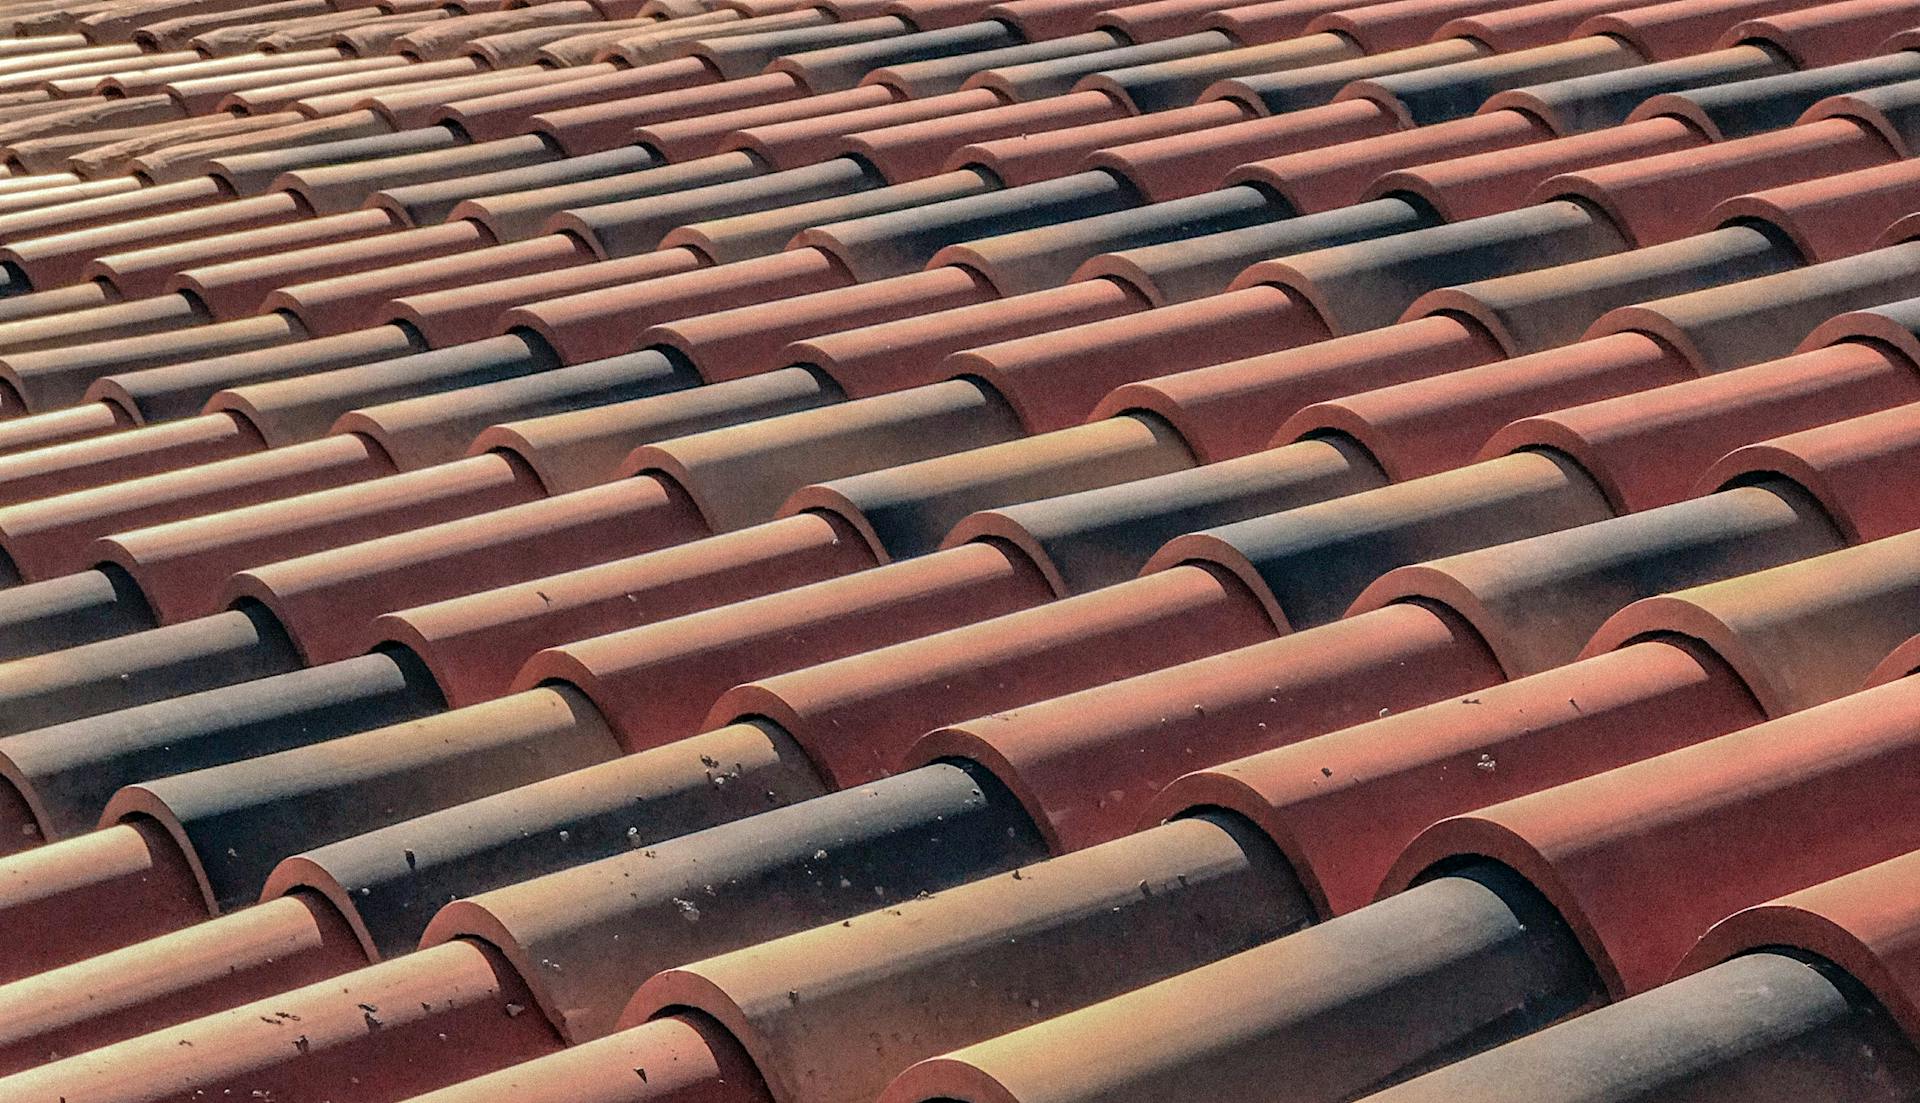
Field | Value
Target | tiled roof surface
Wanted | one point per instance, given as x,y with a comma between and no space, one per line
890,551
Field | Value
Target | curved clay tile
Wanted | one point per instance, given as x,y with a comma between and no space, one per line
1441,93
1047,256
429,202
1672,853
905,510
1185,271
1277,93
339,304
1054,938
1104,536
1226,410
1482,183
149,269
1027,158
687,662
1769,1027
1493,945
1165,85
1308,564
745,340
1056,378
1134,736
475,644
942,76
1342,805
1697,421
762,232
328,600
1845,465
1799,634
857,716
1538,311
912,352
178,563
50,536
738,883
619,807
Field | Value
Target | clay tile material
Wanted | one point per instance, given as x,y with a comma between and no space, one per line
1831,216
589,446
1699,420
752,339
180,390
1538,731
739,475
175,561
1086,764
1057,76
1309,564
1536,311
1297,89
593,325
687,1057
1368,284
1440,93
907,509
464,991
1859,921
1164,85
1212,887
815,138
687,662
460,314
115,995
1890,109
1182,272
1667,196
628,227
1826,34
1379,28
1190,162
329,189
1798,634
130,880
237,288
475,644
1229,410
684,139
1537,601
895,355
1325,179
1581,105
941,76
1159,19
1032,260
1679,27
1748,108
1643,859
1843,464
71,772
51,536
1103,536
909,151
74,465
858,716
838,68
489,114
1434,423
328,601
148,270
1721,328
767,877
57,377
605,124
1027,158
427,203
340,304
1524,25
